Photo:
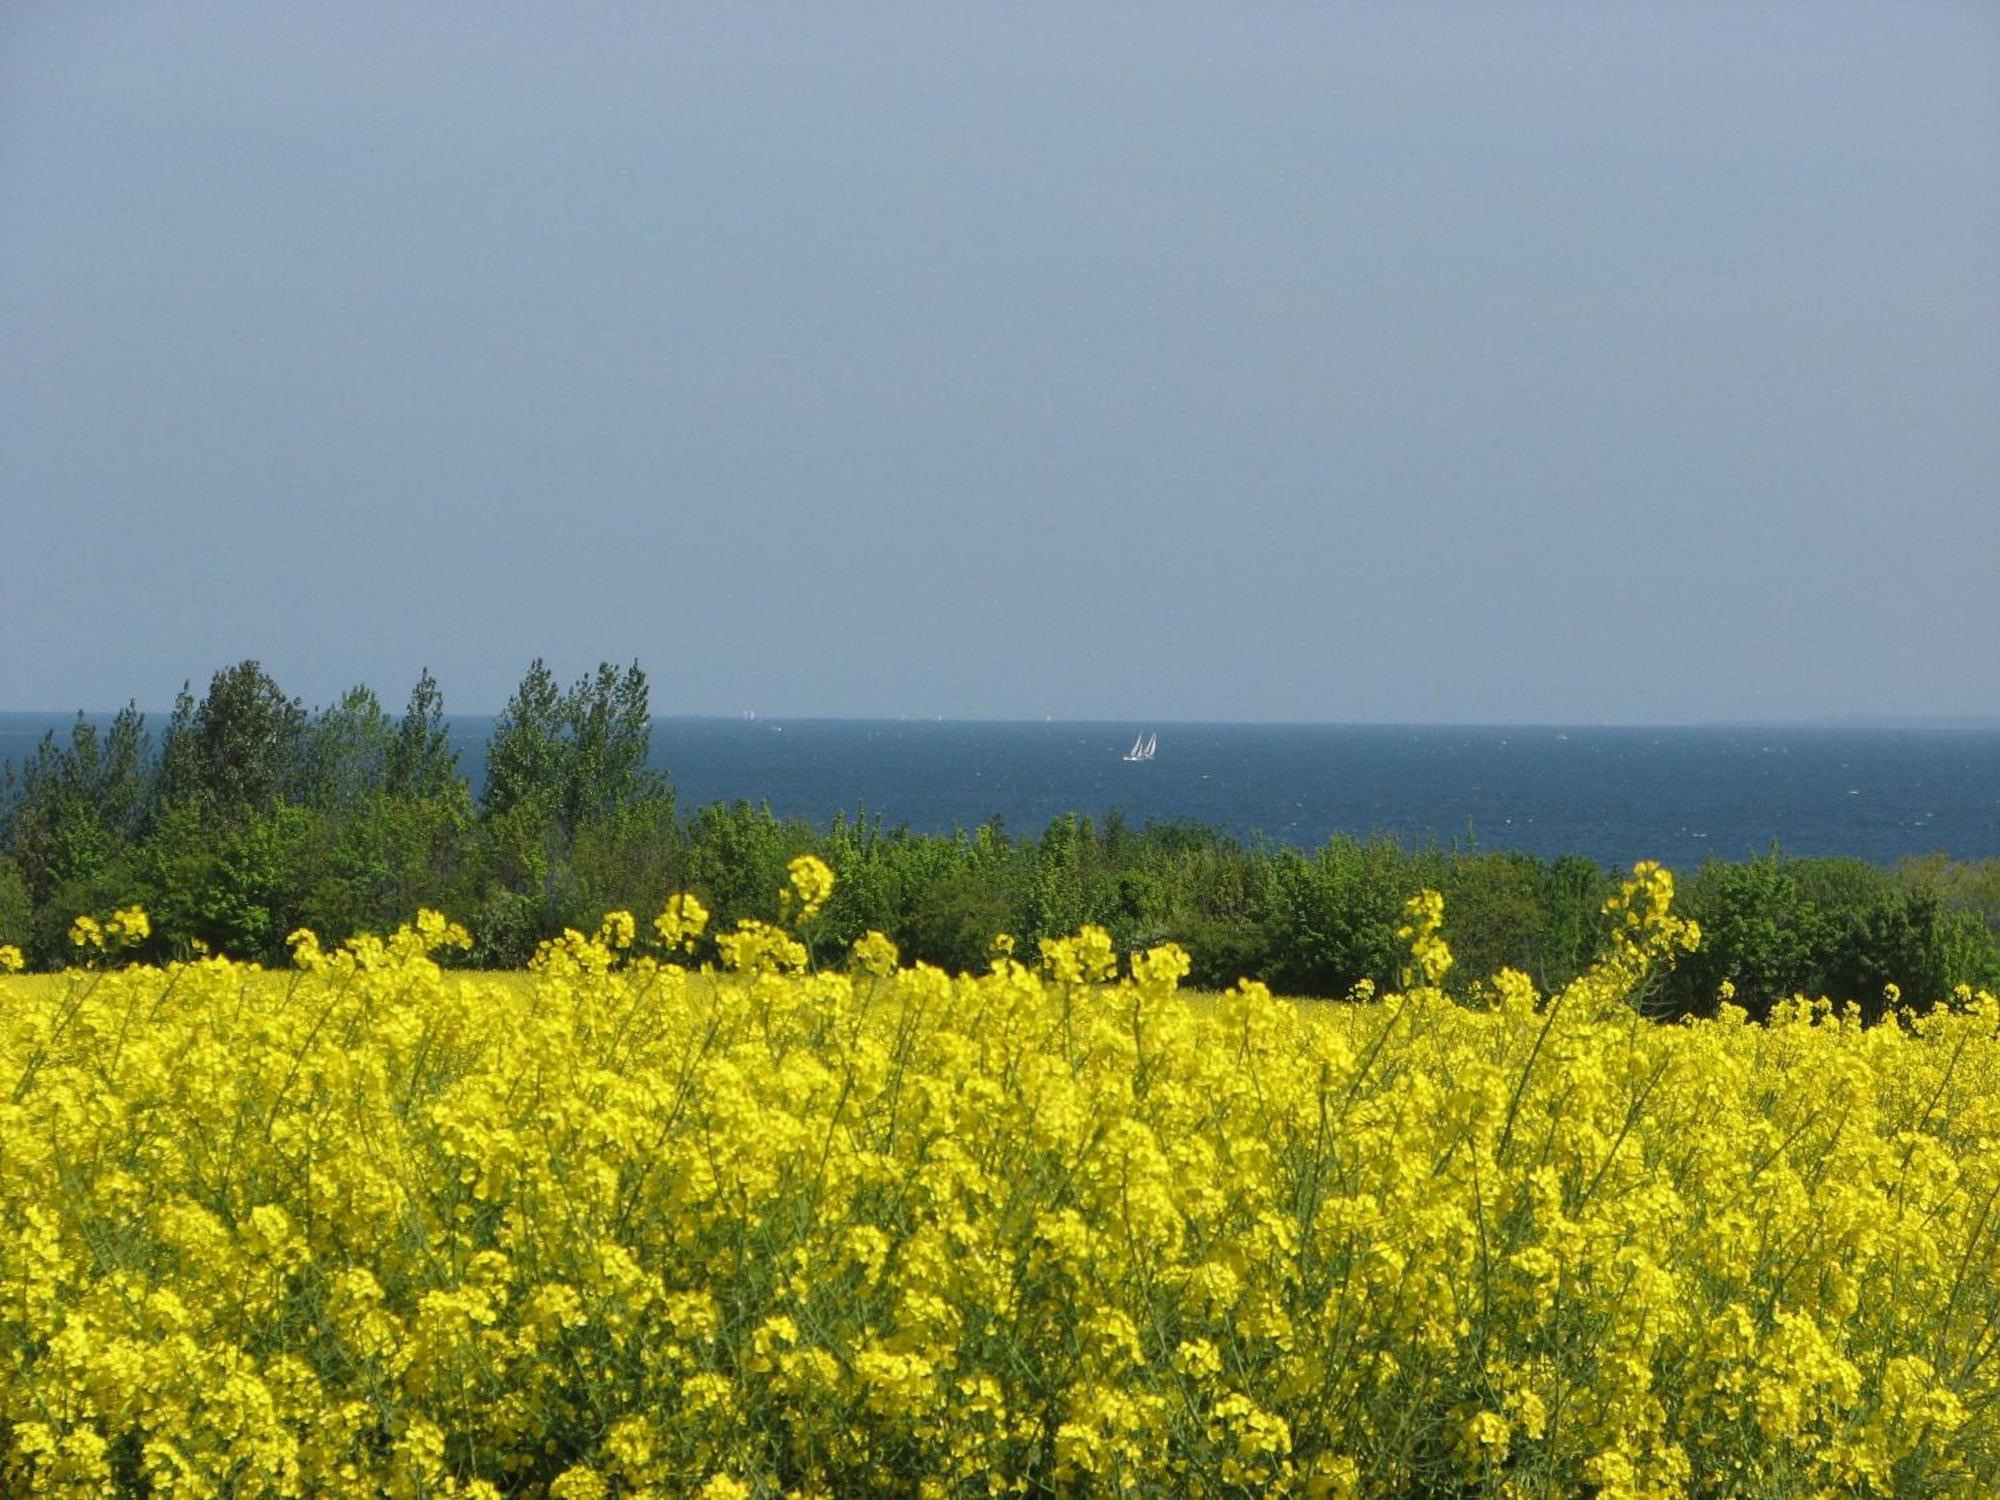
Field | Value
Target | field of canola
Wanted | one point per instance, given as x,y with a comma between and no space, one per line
626,1226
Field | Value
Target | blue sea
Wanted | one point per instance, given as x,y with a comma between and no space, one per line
1681,795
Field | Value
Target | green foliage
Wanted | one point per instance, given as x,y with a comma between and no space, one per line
172,871
240,751
736,858
1757,934
1335,914
1574,890
950,922
421,763
579,755
1775,927
1058,889
70,807
257,817
609,725
389,855
626,857
253,899
17,906
526,758
1498,910
866,892
1969,923
344,753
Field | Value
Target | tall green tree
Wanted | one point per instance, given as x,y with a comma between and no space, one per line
609,727
422,763
526,759
240,751
71,808
344,757
579,755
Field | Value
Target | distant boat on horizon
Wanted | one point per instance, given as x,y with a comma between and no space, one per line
1143,747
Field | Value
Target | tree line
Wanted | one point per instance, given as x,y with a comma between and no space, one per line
252,816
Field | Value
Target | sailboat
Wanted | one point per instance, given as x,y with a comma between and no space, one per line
1143,747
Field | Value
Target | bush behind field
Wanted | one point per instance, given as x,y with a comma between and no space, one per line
256,817
1306,923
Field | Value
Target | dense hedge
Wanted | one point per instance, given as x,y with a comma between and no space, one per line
253,817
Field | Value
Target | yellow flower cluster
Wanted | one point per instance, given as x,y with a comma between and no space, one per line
123,928
617,1227
1643,926
1430,956
1090,957
810,887
681,923
875,954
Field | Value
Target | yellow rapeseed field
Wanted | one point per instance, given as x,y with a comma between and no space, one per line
624,1226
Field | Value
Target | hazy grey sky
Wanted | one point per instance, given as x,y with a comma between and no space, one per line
1477,362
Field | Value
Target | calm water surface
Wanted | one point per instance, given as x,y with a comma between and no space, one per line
1681,795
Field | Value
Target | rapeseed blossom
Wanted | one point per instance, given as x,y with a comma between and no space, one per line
875,954
1430,955
681,923
620,1226
125,927
809,888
